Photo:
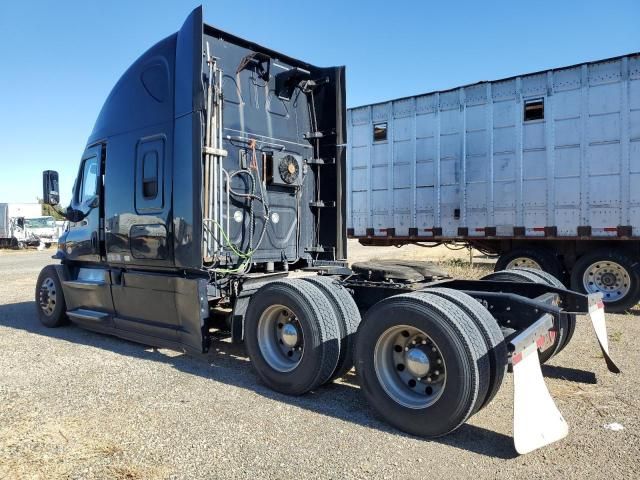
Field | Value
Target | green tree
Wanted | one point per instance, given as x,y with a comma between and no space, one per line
48,210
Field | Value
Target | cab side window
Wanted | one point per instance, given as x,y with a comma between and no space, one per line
89,186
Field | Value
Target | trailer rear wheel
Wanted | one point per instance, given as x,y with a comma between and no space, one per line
292,336
348,316
522,275
491,332
611,273
422,363
538,258
50,303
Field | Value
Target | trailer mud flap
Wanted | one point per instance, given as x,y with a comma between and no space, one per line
536,419
596,314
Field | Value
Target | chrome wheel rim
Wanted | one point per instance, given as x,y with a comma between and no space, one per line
280,338
410,367
523,262
48,296
609,278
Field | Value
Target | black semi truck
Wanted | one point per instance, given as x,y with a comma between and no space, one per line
211,198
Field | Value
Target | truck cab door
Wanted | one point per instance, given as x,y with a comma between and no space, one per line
83,239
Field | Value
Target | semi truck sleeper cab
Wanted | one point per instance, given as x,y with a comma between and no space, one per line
216,169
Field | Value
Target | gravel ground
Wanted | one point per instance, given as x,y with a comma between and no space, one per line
81,405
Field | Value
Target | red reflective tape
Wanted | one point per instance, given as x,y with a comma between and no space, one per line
540,342
428,229
538,229
516,358
610,229
600,304
479,229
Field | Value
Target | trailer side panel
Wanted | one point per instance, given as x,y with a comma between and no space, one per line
549,154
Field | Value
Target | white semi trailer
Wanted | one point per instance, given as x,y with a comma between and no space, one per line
542,169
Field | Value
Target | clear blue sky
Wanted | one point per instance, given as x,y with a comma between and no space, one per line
59,59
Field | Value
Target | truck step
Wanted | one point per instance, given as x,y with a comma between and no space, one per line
85,314
84,284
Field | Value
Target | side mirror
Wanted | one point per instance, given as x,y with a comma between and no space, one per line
50,190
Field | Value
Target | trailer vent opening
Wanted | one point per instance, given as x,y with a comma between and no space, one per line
379,132
534,109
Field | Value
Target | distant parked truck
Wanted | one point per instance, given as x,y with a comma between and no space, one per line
542,169
43,227
14,228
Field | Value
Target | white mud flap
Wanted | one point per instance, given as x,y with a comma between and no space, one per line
536,419
596,314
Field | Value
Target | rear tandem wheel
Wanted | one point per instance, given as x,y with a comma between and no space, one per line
564,324
292,336
422,363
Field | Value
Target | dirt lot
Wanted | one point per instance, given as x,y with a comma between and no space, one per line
75,404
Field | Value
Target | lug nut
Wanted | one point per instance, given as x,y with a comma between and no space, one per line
436,373
428,379
438,361
434,349
424,342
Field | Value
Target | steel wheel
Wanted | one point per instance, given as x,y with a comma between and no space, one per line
607,277
526,262
47,297
409,367
280,338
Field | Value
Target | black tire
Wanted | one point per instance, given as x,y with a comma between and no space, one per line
47,245
570,317
492,334
548,261
321,336
629,264
519,275
348,317
21,245
463,351
54,314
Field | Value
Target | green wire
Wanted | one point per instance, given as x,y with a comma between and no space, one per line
246,255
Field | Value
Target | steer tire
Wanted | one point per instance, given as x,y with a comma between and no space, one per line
492,334
464,358
519,275
547,260
320,332
570,317
348,316
48,286
630,265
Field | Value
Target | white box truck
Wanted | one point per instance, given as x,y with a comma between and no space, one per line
15,218
542,169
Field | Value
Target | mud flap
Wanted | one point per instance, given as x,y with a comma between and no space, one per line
596,314
536,419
